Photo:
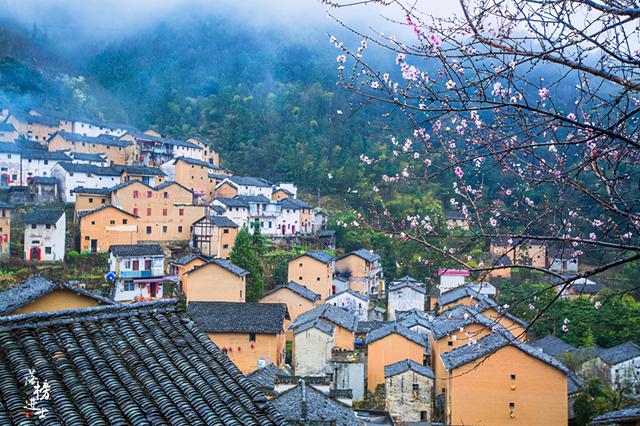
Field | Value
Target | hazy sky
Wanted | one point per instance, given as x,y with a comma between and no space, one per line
114,18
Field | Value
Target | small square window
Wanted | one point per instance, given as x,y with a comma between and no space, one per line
93,222
125,221
252,337
90,200
164,229
149,230
48,226
225,231
225,246
179,228
415,387
450,343
112,222
47,250
513,377
34,226
512,406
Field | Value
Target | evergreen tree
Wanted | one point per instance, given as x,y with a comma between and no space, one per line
258,241
243,256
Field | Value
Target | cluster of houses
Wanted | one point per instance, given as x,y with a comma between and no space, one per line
129,186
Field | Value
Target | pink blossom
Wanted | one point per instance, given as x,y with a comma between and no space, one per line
592,236
565,328
597,305
571,116
435,40
341,59
374,85
363,44
543,93
399,58
450,85
458,171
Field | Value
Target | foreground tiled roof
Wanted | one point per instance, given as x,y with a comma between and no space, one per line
41,217
35,287
629,415
407,282
457,318
320,256
44,180
144,363
365,327
183,260
412,318
131,250
304,404
318,323
364,254
489,344
620,353
406,365
330,313
554,346
395,328
225,264
265,377
91,191
239,317
298,289
140,170
353,293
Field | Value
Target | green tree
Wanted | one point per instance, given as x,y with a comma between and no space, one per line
243,255
258,241
595,398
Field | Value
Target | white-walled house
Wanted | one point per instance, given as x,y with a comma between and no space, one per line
139,270
312,346
451,278
405,294
619,365
289,221
263,211
39,163
351,301
320,219
44,235
563,261
247,185
71,176
10,173
235,209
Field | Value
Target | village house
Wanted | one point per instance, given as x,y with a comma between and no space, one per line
217,280
171,356
10,165
351,301
72,175
194,174
345,324
116,151
520,251
208,154
405,294
38,294
83,158
298,299
151,176
139,270
629,416
8,133
363,269
5,228
80,125
314,270
320,220
106,226
306,405
313,343
251,334
244,185
186,263
295,217
618,366
451,278
563,260
578,287
389,344
556,347
414,320
90,198
408,391
279,194
155,150
44,235
262,212
235,209
456,220
213,236
42,189
265,378
39,163
33,127
527,387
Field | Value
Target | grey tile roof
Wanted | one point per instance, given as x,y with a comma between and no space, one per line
188,258
298,289
319,324
220,221
355,294
330,313
140,170
618,354
44,180
201,163
412,318
92,191
320,256
408,365
37,119
618,417
216,208
554,346
365,327
253,199
364,254
90,169
38,154
487,345
317,407
239,317
395,328
98,140
35,287
4,205
135,250
234,269
265,377
143,363
168,183
407,282
83,156
232,202
250,181
293,204
574,383
6,127
41,217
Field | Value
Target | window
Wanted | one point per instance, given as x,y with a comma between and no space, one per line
93,222
135,211
512,406
136,265
148,230
252,337
90,200
48,226
87,238
165,194
513,377
181,212
164,229
225,231
34,226
103,201
136,194
450,343
225,246
46,162
129,286
147,264
179,228
300,278
125,221
149,194
165,212
47,250
127,264
112,222
148,211
300,264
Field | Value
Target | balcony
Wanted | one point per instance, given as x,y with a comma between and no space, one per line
147,273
